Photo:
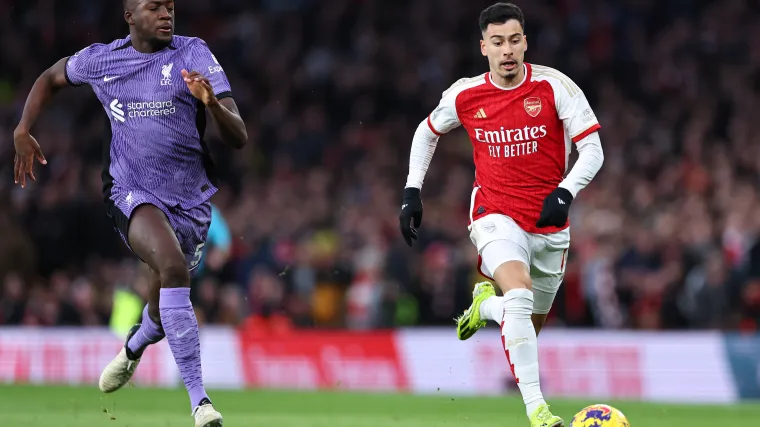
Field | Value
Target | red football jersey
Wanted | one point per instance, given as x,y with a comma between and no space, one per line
521,138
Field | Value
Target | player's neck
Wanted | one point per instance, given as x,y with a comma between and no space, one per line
506,82
146,46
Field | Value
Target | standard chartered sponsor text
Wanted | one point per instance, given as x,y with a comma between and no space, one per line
151,108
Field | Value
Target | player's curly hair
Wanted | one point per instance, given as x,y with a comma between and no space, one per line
500,13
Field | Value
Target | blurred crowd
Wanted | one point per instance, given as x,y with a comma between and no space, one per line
331,92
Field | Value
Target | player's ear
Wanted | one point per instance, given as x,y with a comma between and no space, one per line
525,40
128,17
483,47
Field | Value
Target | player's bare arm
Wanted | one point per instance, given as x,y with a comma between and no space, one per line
224,111
27,148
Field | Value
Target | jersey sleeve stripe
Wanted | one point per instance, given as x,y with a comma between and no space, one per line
595,127
430,125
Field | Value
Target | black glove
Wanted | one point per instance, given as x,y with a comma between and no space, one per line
411,208
555,210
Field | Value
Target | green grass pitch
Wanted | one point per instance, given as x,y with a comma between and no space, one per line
27,406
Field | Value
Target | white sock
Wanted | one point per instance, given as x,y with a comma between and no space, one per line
492,309
521,346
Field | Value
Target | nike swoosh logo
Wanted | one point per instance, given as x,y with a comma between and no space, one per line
184,333
108,79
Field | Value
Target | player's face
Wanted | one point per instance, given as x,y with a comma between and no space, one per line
153,19
505,46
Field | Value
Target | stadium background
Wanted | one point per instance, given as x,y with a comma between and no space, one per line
665,237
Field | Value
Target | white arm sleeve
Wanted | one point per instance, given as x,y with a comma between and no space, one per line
423,147
442,120
590,159
581,126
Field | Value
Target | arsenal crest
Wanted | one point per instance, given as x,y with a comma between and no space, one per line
532,106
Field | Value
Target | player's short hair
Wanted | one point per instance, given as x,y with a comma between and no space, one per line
500,13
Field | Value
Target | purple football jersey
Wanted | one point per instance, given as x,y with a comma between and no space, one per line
156,125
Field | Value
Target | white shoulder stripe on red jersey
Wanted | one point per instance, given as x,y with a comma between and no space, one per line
463,81
540,71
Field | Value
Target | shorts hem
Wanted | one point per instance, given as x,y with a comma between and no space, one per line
122,220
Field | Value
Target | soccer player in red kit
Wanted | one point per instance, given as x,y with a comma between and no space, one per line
522,120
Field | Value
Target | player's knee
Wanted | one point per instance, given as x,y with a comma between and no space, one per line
512,275
175,275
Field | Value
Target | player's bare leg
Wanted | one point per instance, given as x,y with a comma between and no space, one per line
538,321
149,331
520,340
152,238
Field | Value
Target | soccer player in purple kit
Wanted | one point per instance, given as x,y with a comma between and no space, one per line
157,174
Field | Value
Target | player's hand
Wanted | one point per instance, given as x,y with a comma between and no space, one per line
556,208
27,149
199,86
411,209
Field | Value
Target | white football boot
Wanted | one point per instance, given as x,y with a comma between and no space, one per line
117,373
206,416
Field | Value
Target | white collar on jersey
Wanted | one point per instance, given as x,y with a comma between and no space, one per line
525,77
